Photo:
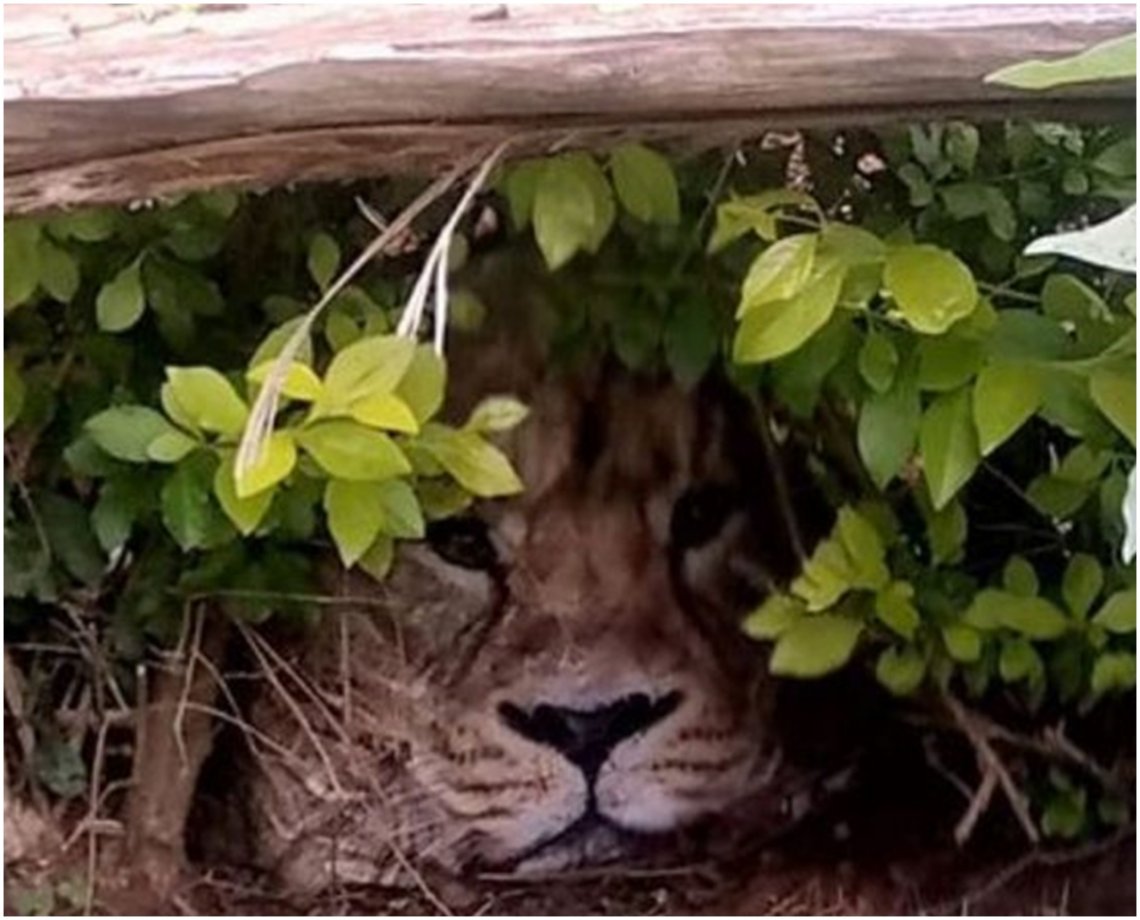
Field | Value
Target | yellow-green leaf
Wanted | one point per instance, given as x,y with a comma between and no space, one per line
366,368
932,288
377,559
170,447
949,445
354,517
1114,59
477,465
963,643
773,617
276,461
121,300
496,413
423,384
900,670
1005,396
1114,392
348,450
779,272
779,327
21,261
323,259
645,184
1118,614
245,513
300,381
208,399
384,410
815,645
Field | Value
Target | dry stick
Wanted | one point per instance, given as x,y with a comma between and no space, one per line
295,708
260,423
991,762
305,686
92,816
979,802
189,660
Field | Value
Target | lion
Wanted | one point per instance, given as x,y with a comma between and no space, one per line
548,679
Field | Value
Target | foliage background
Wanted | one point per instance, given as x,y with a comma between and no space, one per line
970,411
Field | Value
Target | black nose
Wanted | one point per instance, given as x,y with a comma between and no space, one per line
586,737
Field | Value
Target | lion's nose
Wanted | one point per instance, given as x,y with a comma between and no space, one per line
586,737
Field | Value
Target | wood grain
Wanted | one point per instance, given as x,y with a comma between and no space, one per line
107,103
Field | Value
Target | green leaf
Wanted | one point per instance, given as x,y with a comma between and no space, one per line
1018,577
188,511
946,531
758,213
895,607
59,272
1065,814
369,367
691,340
377,559
1033,617
477,465
170,447
1056,496
1082,584
949,445
422,386
442,498
68,529
932,288
863,546
14,391
299,382
174,288
1113,389
1118,613
348,450
779,272
21,261
1019,661
89,225
826,576
963,643
276,461
601,194
1113,671
644,182
1114,59
520,185
323,259
962,142
566,213
245,513
1005,396
947,362
773,617
921,193
121,300
401,513
900,670
354,516
878,361
888,428
1109,244
815,645
779,327
122,502
208,399
496,413
384,410
125,432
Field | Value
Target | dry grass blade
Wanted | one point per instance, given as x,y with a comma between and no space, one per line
260,423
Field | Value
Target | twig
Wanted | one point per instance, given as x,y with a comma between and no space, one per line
189,661
93,814
990,762
979,802
295,708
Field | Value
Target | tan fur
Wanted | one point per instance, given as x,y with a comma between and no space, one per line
413,758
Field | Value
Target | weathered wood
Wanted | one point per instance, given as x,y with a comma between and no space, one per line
107,103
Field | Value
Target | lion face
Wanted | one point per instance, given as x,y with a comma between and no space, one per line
551,675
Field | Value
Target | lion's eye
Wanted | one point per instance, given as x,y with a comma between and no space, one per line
700,514
463,541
